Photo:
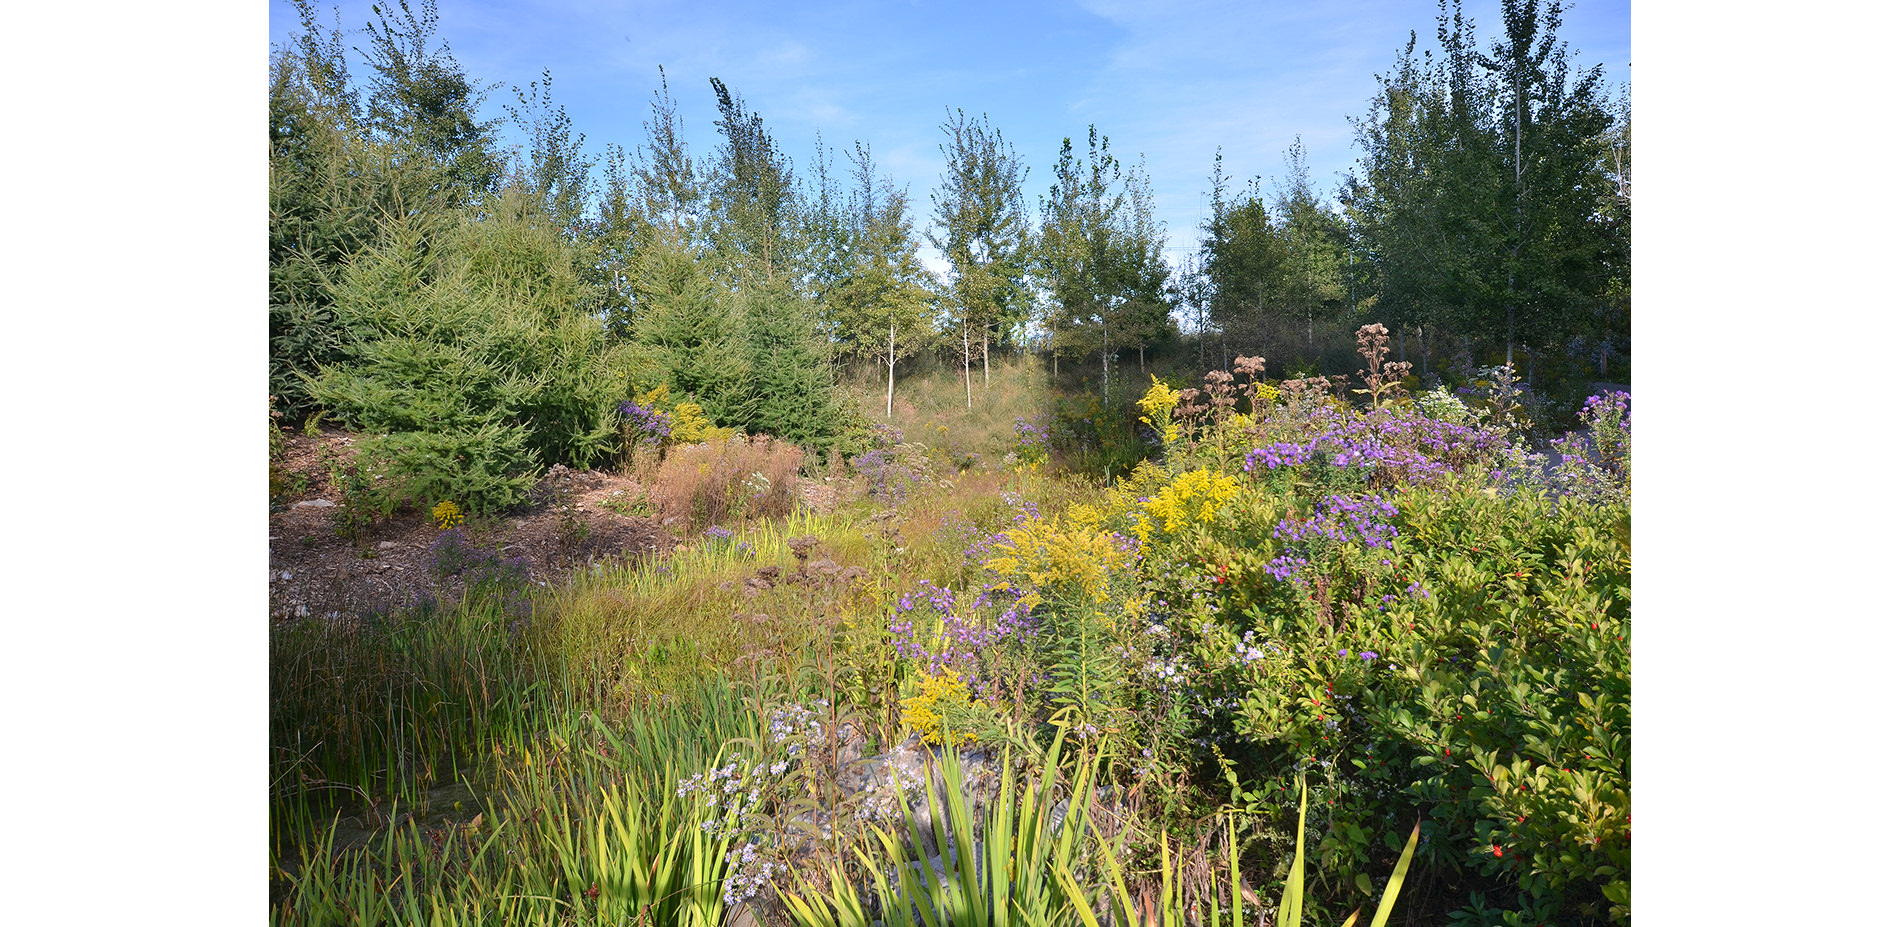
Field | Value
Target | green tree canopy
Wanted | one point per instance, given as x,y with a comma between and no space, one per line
982,232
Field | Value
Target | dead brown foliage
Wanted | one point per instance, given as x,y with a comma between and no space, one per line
706,484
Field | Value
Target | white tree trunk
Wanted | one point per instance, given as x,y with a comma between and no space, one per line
986,358
968,403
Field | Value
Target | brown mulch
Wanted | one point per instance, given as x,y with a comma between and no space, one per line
314,572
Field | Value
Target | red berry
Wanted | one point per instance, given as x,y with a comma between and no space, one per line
1497,851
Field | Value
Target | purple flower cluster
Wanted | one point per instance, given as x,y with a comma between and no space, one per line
965,635
1342,520
980,548
1611,405
648,426
1285,566
718,534
1397,446
1032,439
1337,521
482,571
1281,454
1594,462
886,436
1248,652
1026,510
890,474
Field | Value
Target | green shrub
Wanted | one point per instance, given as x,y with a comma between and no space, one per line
1484,680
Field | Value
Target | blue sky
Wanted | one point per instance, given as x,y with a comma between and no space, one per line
1168,80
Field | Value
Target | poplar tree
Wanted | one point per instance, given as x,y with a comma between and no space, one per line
882,305
1075,254
1312,284
1147,309
1099,256
755,222
753,208
1552,117
1242,260
650,199
555,172
982,232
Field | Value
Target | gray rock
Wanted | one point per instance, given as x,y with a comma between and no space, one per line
315,504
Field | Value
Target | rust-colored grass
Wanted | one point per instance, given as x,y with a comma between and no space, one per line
708,484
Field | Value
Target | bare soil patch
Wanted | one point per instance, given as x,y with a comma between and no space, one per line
315,572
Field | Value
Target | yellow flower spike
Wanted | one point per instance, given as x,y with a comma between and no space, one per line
1195,497
1158,403
924,713
1073,562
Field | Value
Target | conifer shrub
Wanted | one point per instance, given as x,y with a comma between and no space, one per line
466,365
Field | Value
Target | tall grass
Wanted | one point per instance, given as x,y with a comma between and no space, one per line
581,824
357,705
1001,868
929,406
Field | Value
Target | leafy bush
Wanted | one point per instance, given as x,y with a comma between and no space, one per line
1374,607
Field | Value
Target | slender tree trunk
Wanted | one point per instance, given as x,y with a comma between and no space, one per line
890,384
1141,353
967,402
1424,352
1104,363
986,357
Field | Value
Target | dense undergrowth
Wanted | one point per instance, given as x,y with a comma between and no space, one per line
1387,605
